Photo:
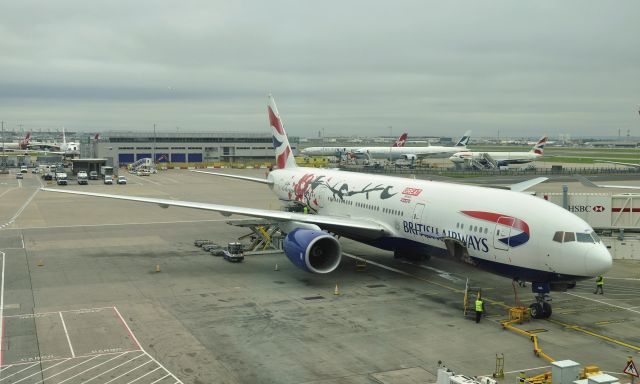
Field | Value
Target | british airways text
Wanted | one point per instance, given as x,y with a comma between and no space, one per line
428,231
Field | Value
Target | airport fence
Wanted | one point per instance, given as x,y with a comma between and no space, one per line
391,170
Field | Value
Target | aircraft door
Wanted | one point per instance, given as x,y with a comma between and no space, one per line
417,212
502,232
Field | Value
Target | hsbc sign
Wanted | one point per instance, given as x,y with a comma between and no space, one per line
586,208
594,208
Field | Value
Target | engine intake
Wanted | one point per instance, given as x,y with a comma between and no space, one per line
312,250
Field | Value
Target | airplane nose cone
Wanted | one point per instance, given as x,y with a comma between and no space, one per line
597,261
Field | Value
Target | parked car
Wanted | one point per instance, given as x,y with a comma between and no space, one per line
48,176
122,180
108,180
19,176
93,175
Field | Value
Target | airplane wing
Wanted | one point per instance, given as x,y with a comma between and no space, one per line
245,178
366,227
520,187
634,165
588,183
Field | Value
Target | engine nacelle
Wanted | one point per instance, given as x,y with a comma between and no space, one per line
410,157
502,163
312,250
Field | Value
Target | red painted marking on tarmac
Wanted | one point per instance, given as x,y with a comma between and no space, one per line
124,324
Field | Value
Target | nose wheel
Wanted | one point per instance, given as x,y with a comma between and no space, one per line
541,309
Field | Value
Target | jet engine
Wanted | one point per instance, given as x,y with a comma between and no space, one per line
410,157
312,250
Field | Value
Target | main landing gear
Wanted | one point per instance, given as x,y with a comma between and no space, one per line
541,309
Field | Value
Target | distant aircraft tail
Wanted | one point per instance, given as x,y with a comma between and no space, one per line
284,155
464,140
96,137
538,149
25,142
401,140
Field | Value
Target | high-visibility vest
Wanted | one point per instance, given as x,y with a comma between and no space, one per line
478,305
600,280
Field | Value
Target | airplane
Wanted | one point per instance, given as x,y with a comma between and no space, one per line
414,153
22,145
56,147
504,158
337,151
506,232
588,183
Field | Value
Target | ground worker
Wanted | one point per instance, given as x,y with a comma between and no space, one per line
521,377
479,308
599,285
305,210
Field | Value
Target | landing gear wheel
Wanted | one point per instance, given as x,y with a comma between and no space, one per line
546,310
571,285
536,310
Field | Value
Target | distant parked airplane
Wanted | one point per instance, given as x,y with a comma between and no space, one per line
414,153
503,231
22,145
337,151
504,158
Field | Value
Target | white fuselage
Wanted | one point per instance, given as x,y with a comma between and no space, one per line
394,153
507,232
502,157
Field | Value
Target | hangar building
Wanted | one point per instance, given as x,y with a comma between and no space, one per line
182,147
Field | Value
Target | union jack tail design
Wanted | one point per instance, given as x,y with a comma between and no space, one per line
25,142
284,155
401,140
538,149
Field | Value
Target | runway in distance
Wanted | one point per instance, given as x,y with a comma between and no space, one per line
505,232
339,151
414,153
503,158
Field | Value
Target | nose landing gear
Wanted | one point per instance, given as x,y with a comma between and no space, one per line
541,309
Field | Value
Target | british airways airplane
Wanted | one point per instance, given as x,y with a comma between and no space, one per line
504,158
503,231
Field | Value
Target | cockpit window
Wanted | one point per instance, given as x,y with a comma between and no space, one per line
584,237
569,236
558,236
595,237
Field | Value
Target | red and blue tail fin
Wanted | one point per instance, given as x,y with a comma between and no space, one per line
401,140
284,155
538,149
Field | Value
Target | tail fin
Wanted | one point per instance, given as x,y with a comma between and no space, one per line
401,140
25,142
464,140
284,156
538,149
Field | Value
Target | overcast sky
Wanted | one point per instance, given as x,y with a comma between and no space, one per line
522,68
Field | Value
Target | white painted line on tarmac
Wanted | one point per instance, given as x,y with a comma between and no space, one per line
146,374
116,367
124,224
128,372
178,381
22,370
95,366
7,191
65,370
603,302
66,333
55,365
623,278
22,208
162,378
86,310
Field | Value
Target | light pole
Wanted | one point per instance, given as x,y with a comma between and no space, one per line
4,159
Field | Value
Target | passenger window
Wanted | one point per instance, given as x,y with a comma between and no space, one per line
569,236
558,236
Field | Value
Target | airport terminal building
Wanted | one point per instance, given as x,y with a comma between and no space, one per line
180,148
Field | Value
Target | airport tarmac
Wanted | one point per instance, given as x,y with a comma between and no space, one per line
81,300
